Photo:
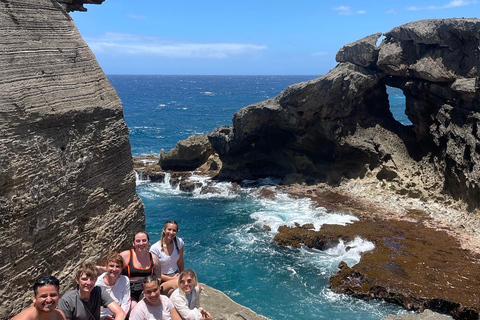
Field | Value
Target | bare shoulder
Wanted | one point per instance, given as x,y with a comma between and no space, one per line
125,255
57,315
27,314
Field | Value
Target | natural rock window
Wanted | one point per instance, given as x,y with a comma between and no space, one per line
396,100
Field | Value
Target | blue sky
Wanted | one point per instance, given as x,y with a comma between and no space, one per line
242,37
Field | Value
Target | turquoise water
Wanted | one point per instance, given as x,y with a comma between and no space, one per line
226,242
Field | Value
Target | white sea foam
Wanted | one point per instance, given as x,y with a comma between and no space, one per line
286,210
140,178
157,189
352,251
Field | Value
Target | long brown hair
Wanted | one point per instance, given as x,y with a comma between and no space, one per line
163,234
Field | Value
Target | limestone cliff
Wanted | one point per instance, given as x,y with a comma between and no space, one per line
340,126
67,186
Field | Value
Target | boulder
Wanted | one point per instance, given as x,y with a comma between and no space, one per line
188,154
362,52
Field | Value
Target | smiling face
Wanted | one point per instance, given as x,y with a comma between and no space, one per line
114,269
140,242
170,230
151,292
86,283
186,284
46,298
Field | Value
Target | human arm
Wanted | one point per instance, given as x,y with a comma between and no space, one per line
180,262
117,311
181,306
196,303
60,315
175,315
101,269
126,257
158,270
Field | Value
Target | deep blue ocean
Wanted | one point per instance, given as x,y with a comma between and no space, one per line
225,239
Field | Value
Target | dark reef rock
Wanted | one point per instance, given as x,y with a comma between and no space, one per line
340,126
411,265
67,185
188,154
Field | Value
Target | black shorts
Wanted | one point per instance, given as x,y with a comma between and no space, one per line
136,288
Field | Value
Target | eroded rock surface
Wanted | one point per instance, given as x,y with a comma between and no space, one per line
67,186
340,126
223,308
188,154
412,265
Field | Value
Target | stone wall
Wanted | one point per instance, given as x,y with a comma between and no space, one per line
67,186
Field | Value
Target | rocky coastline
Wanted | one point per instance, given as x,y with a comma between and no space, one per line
420,261
413,188
67,178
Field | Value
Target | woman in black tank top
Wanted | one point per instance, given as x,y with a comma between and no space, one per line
138,264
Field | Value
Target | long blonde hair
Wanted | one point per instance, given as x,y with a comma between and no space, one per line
188,272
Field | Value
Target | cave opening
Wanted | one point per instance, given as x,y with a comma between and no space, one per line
397,103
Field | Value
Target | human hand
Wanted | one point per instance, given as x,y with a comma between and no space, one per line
109,317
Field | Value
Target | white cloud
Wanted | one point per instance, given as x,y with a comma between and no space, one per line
343,10
451,4
346,10
139,44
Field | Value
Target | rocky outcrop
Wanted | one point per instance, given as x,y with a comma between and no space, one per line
67,186
412,265
77,5
188,154
223,308
426,315
340,126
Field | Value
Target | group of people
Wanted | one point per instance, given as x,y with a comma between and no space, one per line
142,283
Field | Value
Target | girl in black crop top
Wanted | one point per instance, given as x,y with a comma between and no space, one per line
138,264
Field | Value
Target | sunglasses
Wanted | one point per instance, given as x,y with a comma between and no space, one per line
189,281
47,280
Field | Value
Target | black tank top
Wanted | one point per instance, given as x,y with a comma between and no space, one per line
131,271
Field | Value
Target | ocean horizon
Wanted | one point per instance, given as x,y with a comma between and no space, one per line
226,241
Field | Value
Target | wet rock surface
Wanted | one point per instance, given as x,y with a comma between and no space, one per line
412,265
426,315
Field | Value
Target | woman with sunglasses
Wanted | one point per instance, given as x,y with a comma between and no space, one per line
187,297
168,257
